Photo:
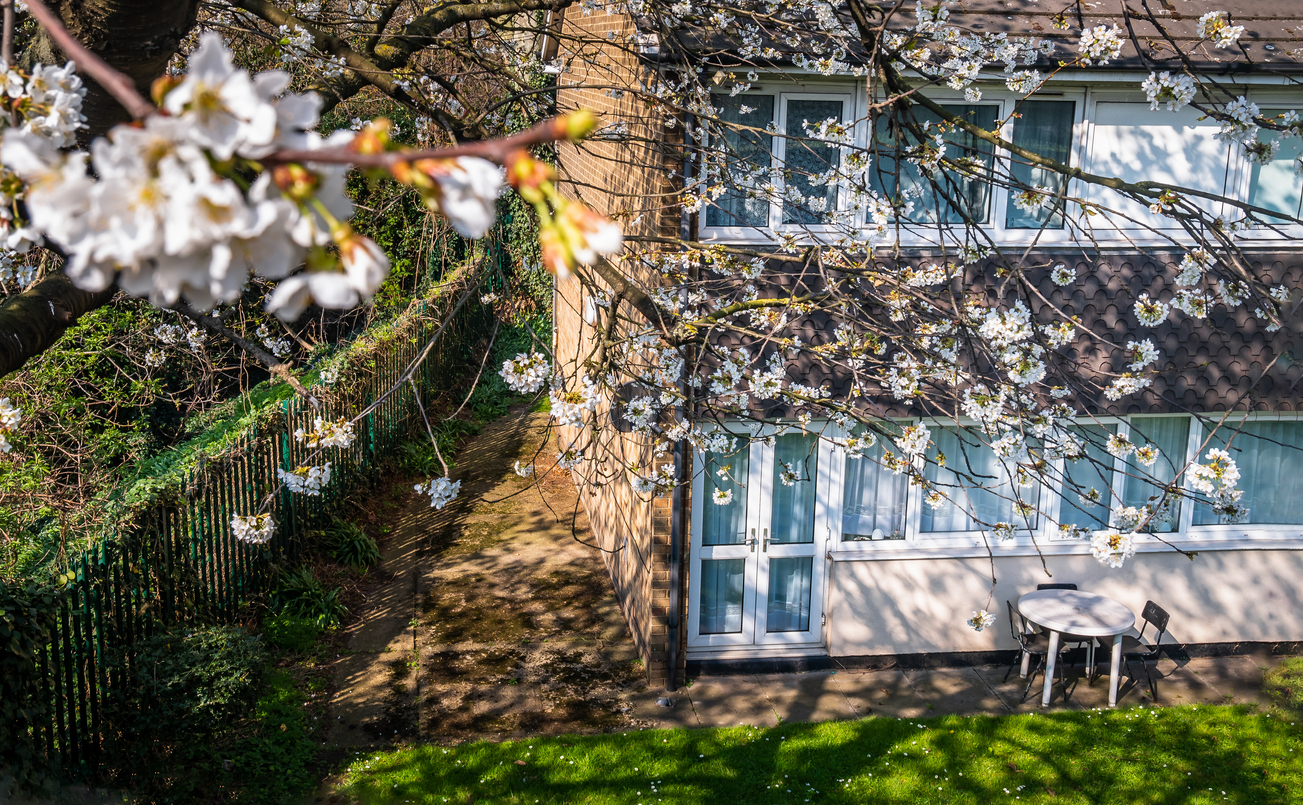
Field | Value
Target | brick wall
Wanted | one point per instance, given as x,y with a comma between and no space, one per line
628,179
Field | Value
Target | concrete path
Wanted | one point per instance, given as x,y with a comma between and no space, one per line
767,700
491,618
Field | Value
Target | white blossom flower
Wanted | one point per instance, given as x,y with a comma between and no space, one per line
1063,275
256,528
569,459
154,358
1175,91
1100,45
1215,27
980,619
467,195
10,417
1142,353
1150,312
523,470
1112,548
1125,384
218,103
306,480
526,373
1119,446
327,433
722,497
914,439
570,407
442,491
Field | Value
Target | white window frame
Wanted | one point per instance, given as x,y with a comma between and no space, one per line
1086,92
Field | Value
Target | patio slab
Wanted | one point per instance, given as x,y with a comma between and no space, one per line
731,702
960,691
881,693
807,697
1236,680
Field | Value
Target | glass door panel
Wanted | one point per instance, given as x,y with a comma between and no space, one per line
789,594
793,483
723,591
722,572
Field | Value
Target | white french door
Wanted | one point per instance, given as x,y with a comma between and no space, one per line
759,527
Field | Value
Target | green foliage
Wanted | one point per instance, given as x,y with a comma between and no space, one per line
418,457
492,396
289,633
1284,683
273,765
187,682
350,545
301,595
26,614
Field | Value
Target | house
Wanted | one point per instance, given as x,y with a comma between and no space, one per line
843,562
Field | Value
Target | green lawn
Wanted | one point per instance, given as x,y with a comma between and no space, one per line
1196,754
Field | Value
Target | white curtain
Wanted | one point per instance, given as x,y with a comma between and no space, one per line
725,524
789,594
1269,455
873,497
723,583
792,518
978,485
1170,434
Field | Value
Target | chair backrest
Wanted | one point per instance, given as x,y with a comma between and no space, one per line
1064,586
1156,615
1017,624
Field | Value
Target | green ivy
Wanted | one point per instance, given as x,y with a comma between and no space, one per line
26,614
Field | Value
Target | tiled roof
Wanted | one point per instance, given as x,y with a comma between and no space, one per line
1228,361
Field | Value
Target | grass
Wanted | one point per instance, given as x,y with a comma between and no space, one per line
1195,754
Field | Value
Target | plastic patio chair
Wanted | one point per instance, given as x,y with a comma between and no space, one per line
1137,648
1032,643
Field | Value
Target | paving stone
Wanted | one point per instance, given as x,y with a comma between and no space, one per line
645,710
1010,691
374,702
961,691
881,693
731,701
1237,680
807,697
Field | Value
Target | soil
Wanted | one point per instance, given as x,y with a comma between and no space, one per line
490,619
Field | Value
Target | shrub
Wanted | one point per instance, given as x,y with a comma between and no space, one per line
189,682
351,546
1284,683
300,595
289,633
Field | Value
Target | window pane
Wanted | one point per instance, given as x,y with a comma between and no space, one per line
1045,128
1134,143
795,458
789,594
1094,471
1170,434
986,492
1269,456
1275,186
723,583
873,498
896,177
748,161
725,524
804,160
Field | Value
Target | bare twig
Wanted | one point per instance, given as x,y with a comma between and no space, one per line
7,44
277,367
115,83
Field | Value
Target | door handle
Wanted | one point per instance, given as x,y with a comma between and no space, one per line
764,545
751,541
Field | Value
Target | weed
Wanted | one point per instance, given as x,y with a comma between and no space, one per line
300,595
290,633
350,545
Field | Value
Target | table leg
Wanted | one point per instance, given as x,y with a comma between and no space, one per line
1114,667
1051,660
1026,664
1090,659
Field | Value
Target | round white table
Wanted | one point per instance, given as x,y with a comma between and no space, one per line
1077,613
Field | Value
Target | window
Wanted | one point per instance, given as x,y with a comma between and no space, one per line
749,161
804,161
1171,435
1135,143
873,498
726,524
753,152
795,469
1269,455
896,177
1045,128
1275,186
974,480
1087,487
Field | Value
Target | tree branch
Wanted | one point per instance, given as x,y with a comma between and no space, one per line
30,322
277,367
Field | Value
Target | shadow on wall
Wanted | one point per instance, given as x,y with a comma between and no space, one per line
921,605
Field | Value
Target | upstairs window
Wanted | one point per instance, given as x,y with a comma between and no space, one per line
961,196
1044,128
750,157
1275,186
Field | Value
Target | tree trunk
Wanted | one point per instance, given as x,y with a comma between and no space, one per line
138,38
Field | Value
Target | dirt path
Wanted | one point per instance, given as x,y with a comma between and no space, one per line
494,621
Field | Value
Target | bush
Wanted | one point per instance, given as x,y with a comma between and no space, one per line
289,633
351,546
1284,683
300,595
189,683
